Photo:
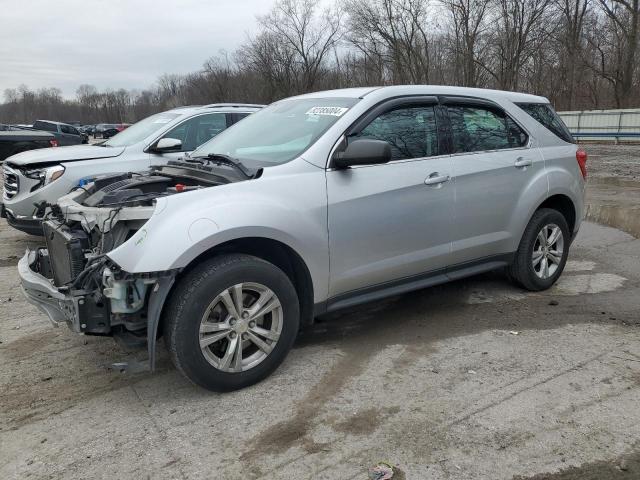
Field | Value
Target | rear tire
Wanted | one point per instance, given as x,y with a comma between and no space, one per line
215,329
543,251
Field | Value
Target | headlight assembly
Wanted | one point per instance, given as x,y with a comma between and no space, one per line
44,175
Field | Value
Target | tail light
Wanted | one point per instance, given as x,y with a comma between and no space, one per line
581,157
53,143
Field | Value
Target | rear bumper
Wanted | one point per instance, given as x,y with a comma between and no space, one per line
60,308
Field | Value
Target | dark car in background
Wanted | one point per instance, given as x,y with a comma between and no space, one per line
15,140
88,129
101,128
65,134
110,132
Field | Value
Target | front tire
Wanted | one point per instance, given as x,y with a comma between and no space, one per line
543,251
231,321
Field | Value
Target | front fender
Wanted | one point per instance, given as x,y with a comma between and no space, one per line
187,225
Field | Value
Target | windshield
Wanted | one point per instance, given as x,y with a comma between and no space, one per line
278,133
141,130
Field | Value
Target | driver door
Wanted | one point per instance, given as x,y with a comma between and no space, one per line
390,224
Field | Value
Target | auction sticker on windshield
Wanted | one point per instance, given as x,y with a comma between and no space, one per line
333,111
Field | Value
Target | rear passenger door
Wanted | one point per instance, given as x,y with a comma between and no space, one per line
390,223
492,164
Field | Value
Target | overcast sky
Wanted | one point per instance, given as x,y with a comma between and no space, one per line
116,43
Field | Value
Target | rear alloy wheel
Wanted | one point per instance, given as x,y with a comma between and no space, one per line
231,321
543,251
548,251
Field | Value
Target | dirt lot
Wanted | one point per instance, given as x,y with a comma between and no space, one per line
471,380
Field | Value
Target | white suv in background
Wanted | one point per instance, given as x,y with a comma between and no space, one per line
34,178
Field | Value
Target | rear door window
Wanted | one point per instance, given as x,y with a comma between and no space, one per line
476,128
547,116
411,132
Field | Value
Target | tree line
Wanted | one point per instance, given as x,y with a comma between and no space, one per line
581,54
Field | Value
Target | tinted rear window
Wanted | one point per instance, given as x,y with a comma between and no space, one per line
546,115
49,127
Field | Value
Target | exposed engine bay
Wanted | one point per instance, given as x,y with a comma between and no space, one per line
84,288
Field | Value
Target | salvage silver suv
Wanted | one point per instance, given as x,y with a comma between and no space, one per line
316,203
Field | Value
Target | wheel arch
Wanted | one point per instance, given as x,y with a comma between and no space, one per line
559,201
273,251
563,204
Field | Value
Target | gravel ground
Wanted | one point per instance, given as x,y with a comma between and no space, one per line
476,380
606,160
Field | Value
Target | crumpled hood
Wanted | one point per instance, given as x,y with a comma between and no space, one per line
64,154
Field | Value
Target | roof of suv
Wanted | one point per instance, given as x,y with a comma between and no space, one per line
428,90
223,107
54,122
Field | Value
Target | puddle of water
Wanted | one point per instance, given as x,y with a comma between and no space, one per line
624,218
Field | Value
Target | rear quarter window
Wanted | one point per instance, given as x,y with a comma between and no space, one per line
548,118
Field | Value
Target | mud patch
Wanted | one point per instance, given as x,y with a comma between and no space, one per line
361,336
28,345
624,467
10,261
492,293
288,433
58,371
365,422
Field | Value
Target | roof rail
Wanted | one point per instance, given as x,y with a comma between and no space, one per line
233,105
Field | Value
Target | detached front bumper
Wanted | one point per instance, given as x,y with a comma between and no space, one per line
58,306
30,225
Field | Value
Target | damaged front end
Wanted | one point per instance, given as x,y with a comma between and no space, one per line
73,280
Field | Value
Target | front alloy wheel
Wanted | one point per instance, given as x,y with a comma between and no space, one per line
231,321
241,327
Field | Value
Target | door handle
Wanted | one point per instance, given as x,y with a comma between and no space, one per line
436,179
523,162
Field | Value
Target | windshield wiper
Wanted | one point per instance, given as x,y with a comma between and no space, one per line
222,159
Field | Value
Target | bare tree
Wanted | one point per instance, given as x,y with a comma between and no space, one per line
578,53
573,15
393,32
519,31
309,36
468,24
616,52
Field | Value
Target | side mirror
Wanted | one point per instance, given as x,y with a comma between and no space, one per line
363,152
167,145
